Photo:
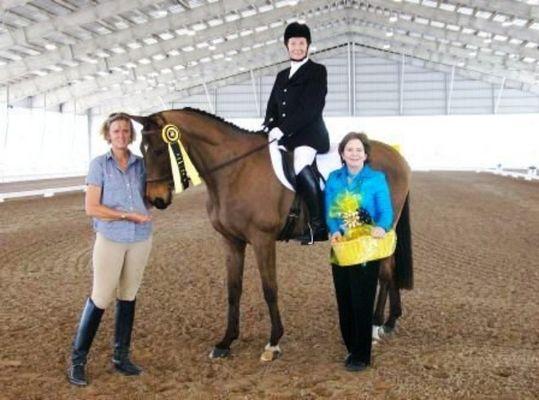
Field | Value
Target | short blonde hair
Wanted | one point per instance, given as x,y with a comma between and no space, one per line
113,118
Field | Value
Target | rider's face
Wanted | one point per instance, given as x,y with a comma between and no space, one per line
297,48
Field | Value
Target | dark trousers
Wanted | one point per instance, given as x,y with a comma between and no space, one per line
355,288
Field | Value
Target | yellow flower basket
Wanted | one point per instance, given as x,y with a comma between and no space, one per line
361,249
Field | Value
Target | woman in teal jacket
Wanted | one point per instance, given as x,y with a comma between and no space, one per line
355,286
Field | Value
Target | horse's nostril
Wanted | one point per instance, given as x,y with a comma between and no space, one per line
159,203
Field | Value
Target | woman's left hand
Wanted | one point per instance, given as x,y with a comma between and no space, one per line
378,232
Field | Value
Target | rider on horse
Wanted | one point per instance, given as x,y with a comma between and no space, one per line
294,118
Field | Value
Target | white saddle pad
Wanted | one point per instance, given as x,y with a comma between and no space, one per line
326,163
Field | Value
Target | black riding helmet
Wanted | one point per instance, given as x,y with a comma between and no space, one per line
295,29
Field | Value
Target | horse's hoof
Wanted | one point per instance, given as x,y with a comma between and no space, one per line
386,332
219,353
377,333
270,353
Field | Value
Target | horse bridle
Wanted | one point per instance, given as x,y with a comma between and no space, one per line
213,169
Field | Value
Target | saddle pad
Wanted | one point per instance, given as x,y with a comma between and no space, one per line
326,163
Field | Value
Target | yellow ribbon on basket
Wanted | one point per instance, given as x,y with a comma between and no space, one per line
182,167
357,246
362,248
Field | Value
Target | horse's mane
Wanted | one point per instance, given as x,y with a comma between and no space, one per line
223,121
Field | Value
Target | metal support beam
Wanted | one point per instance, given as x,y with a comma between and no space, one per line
350,79
449,92
255,94
208,98
499,97
85,15
89,132
401,84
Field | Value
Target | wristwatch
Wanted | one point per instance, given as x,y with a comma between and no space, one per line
123,216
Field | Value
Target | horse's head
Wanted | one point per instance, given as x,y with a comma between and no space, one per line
159,179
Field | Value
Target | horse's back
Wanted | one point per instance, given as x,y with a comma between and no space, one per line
388,159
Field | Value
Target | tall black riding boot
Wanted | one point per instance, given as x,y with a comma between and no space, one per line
125,315
88,324
309,189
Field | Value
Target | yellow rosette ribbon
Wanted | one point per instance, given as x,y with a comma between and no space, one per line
183,170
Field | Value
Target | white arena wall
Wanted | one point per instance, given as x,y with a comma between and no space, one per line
40,145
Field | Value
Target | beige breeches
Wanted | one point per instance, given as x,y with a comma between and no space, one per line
118,269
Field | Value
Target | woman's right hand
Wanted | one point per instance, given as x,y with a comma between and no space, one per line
138,218
335,237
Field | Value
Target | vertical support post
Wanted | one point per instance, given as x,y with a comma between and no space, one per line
5,125
349,65
89,133
499,97
255,94
401,85
353,80
208,98
449,92
7,117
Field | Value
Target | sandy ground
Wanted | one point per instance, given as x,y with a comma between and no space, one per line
469,330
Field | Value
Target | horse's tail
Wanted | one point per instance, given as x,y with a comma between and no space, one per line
403,253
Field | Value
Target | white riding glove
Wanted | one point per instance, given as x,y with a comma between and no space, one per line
275,134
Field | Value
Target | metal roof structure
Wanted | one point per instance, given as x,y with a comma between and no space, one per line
77,55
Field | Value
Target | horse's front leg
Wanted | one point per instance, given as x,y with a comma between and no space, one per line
265,257
235,256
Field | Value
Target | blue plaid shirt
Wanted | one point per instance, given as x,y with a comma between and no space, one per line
122,191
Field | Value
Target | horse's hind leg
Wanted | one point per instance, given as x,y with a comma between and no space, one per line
378,318
235,256
265,256
395,307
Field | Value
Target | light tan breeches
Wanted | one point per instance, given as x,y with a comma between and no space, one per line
118,269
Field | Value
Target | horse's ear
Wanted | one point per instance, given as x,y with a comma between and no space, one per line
144,121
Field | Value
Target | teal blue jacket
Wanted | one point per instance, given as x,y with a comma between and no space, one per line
369,188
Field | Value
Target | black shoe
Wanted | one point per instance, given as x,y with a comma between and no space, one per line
88,324
355,366
347,359
77,375
125,315
309,189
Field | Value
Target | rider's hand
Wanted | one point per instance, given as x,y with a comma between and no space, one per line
275,134
378,232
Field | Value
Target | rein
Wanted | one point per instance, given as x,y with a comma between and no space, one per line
238,158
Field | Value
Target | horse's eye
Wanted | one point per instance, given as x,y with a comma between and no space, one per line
159,152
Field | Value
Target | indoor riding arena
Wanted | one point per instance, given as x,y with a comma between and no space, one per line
468,329
451,86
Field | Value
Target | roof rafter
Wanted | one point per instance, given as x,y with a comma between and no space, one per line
361,35
7,4
84,15
62,80
131,34
454,18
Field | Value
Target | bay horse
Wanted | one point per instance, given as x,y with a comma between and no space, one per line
248,205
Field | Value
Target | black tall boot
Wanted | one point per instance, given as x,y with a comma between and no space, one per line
88,324
125,315
309,189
